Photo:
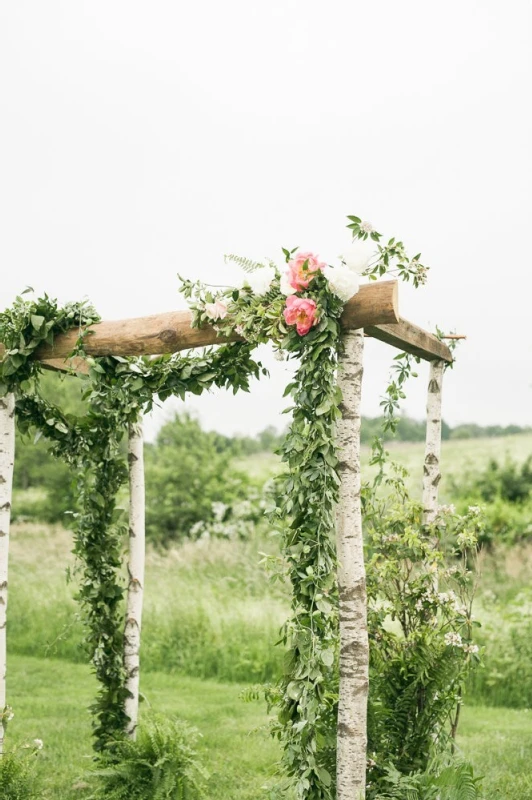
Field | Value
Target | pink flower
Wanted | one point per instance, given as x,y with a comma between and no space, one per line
217,310
302,268
300,312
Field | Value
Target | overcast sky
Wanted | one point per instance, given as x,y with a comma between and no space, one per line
139,139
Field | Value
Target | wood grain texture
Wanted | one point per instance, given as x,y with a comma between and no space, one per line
374,308
375,303
411,339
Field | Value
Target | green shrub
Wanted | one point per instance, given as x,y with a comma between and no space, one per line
162,764
422,645
185,476
510,481
17,773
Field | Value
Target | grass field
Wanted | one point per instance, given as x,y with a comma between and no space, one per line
459,456
210,622
50,698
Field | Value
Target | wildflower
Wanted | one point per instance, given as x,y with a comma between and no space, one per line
471,648
466,539
475,510
449,509
453,639
39,744
367,227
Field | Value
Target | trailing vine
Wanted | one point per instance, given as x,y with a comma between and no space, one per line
118,390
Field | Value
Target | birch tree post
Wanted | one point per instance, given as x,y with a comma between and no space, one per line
7,460
431,468
354,647
135,591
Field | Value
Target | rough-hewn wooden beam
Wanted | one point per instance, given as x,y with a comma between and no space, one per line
77,364
374,308
376,303
411,339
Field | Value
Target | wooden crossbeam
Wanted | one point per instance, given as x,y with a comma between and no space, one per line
411,339
374,308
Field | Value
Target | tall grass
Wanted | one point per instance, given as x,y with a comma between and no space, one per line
210,611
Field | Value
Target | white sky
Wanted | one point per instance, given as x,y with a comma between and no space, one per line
139,139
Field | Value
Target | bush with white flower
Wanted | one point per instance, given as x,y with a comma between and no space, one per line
421,581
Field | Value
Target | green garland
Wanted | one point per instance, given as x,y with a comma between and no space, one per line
118,390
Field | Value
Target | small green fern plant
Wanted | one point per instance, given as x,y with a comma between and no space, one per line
161,764
446,778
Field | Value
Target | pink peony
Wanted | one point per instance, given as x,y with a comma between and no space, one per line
302,268
300,312
217,310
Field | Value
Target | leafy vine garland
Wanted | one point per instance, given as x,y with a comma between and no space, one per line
297,309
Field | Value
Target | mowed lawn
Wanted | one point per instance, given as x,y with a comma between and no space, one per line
50,699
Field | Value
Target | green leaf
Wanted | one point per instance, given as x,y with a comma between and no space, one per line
37,321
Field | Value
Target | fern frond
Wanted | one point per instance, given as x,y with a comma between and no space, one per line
247,264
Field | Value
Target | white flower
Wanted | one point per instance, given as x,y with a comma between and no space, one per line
453,639
471,648
474,510
450,509
359,255
217,310
39,744
367,227
278,355
343,281
260,281
285,286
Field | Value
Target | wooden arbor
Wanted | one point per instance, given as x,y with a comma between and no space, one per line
372,312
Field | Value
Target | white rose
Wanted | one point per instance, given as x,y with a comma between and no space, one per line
359,255
285,286
260,281
343,282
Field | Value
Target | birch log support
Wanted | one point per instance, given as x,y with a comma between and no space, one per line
354,647
7,460
431,468
135,591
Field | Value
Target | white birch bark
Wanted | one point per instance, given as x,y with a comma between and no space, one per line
431,469
354,647
7,460
135,591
